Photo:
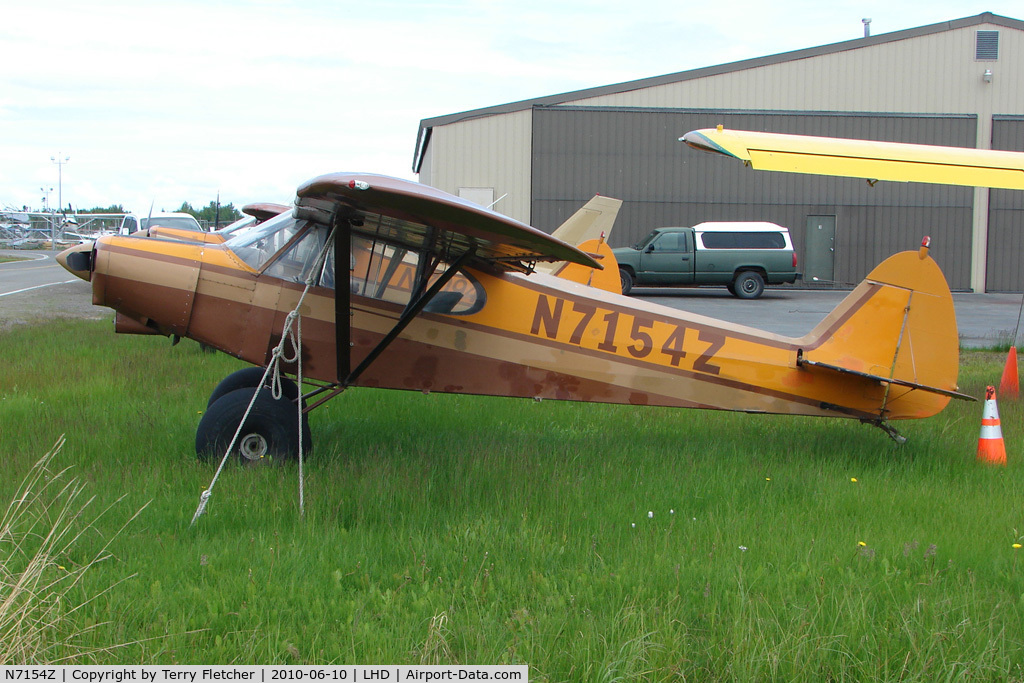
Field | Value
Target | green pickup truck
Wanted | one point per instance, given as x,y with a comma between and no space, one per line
743,257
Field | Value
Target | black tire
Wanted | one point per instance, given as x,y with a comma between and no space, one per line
247,378
748,285
626,280
270,432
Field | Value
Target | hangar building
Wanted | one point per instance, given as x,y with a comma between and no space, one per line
956,83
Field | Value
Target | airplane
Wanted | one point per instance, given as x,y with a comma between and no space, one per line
255,214
440,294
873,161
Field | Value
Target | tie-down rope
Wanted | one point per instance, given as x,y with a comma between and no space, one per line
294,336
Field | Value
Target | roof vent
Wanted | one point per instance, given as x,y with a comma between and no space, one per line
986,45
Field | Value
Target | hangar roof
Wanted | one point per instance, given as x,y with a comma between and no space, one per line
427,125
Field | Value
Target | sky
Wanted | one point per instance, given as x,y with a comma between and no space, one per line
160,103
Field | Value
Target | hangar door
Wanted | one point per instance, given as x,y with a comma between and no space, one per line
1006,216
634,154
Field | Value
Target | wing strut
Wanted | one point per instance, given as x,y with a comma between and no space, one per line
411,311
343,296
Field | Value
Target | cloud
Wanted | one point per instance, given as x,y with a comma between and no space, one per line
170,102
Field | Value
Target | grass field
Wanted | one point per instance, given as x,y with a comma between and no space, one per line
594,543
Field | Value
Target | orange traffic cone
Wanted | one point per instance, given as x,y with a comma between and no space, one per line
991,448
1009,385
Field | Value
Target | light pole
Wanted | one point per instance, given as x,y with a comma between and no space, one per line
60,197
46,198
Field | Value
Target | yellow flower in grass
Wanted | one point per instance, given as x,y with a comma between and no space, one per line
853,480
861,544
1017,546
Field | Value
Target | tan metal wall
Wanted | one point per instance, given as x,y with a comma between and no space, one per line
933,73
486,152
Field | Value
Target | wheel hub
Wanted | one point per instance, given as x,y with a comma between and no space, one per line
253,447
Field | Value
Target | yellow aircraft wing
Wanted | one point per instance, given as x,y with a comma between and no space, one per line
864,158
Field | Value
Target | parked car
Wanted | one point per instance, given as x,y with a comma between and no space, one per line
743,257
132,223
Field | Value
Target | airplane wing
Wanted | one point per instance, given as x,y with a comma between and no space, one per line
865,158
421,217
263,211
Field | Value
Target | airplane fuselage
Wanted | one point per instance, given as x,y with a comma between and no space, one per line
535,336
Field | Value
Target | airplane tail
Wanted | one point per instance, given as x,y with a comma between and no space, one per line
897,329
606,279
593,219
588,230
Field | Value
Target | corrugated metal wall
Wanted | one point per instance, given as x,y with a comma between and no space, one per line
1006,216
634,154
937,72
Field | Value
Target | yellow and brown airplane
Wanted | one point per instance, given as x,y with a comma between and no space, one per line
438,294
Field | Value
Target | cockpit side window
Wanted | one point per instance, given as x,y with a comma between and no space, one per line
389,273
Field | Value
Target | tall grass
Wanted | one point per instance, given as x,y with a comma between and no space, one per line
40,569
452,529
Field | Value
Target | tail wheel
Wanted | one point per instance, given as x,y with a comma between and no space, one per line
270,432
626,280
748,285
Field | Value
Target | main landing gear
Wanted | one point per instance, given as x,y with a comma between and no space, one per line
270,432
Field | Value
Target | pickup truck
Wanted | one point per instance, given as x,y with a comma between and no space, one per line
743,257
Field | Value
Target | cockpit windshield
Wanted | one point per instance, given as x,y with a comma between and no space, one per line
257,245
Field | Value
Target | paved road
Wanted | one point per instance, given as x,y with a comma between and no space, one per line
41,286
39,289
39,272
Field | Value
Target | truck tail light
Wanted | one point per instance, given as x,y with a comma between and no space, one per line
794,259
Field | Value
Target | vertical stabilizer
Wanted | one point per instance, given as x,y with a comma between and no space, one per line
897,328
593,221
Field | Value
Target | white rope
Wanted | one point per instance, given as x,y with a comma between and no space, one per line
274,372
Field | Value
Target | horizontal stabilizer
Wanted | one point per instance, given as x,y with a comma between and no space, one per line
803,362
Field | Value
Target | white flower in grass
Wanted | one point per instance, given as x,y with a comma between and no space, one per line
743,548
650,514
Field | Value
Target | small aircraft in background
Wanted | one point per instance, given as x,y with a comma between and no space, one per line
438,294
873,161
254,215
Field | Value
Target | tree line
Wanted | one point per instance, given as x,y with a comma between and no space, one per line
211,213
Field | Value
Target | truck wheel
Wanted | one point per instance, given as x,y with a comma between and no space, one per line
626,280
270,432
748,285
